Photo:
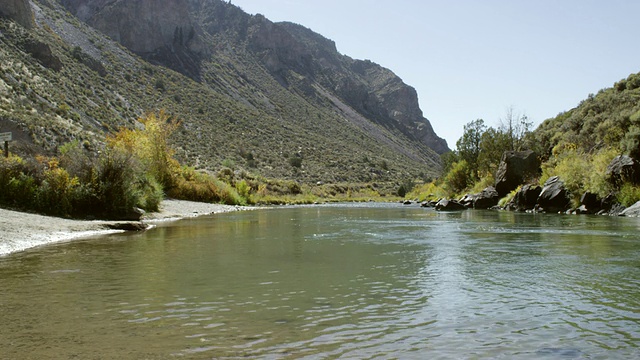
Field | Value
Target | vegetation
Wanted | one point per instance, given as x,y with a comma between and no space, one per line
577,146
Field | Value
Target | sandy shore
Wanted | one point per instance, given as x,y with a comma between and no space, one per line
20,231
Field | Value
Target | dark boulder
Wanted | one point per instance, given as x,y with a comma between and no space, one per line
449,205
590,203
526,198
128,226
486,199
515,168
554,196
623,168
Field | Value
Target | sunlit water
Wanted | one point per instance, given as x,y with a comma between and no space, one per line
379,281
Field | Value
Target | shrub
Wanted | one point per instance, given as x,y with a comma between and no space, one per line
458,178
629,194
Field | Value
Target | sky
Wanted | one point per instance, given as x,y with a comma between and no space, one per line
477,59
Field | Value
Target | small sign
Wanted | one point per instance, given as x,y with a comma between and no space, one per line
5,136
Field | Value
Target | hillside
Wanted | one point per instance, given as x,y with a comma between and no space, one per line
250,93
608,119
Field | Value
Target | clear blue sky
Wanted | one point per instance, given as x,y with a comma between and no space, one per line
476,58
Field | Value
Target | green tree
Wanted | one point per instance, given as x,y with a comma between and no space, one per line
469,145
493,144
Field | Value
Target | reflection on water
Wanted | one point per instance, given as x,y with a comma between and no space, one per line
341,281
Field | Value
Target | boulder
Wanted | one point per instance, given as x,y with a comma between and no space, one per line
467,200
128,226
633,210
554,196
623,168
449,205
515,167
590,203
486,199
526,198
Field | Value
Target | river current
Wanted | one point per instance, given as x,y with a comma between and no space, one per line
356,281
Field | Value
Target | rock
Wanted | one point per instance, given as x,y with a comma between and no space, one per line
467,200
590,203
515,167
128,226
554,196
633,210
486,199
19,11
42,52
407,202
526,198
134,215
623,168
449,205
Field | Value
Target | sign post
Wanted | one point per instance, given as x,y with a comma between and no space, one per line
6,137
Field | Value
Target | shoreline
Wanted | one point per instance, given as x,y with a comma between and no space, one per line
20,231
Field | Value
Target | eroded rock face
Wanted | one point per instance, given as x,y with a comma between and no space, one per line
19,11
164,33
515,167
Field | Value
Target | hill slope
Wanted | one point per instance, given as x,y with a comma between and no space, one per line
249,92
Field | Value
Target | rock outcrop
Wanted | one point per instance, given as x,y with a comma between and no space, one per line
164,34
19,11
516,167
623,168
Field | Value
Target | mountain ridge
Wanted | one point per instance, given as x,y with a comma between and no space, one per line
247,78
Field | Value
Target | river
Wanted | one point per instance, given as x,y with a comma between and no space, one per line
358,281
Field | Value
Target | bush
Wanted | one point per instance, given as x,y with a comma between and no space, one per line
458,178
629,194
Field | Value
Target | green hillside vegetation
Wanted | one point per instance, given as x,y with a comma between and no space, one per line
576,145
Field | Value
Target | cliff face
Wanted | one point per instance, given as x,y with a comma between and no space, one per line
248,91
182,34
17,10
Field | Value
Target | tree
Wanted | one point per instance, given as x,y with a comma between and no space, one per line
516,126
493,144
469,144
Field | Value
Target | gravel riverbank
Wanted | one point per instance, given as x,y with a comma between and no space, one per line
20,231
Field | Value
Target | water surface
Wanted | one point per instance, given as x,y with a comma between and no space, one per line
341,281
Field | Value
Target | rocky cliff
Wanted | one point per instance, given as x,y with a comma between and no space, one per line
18,10
173,35
275,99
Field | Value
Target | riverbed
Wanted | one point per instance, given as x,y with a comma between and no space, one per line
333,281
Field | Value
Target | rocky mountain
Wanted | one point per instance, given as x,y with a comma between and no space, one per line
250,93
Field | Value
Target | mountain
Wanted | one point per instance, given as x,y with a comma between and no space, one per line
250,93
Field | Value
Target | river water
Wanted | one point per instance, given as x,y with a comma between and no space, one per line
358,281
